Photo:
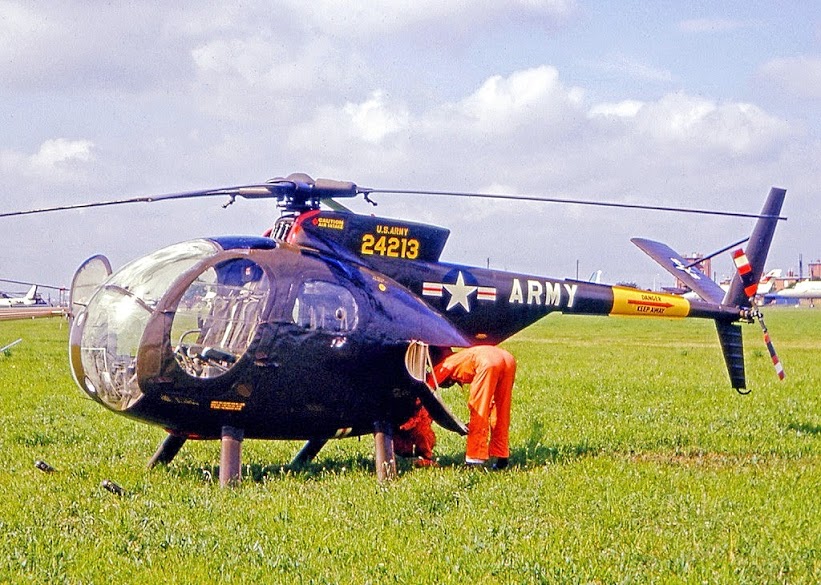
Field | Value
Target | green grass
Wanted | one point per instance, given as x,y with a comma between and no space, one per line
633,461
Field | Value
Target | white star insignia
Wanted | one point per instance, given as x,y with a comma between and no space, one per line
684,268
459,293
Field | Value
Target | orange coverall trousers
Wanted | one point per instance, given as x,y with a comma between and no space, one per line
490,371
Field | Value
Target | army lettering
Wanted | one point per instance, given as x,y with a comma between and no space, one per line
392,230
542,293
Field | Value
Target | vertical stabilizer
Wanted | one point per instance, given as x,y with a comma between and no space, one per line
757,249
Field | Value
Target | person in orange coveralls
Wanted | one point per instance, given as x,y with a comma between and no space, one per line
490,371
415,438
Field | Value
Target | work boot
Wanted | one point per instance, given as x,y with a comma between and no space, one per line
500,464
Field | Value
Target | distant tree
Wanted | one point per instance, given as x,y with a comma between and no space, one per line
630,284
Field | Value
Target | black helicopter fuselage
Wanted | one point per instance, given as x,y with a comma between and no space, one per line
306,335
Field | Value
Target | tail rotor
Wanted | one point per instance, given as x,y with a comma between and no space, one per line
745,272
779,367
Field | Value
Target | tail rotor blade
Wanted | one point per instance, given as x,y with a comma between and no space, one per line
779,368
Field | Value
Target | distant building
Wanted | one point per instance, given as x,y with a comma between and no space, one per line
786,281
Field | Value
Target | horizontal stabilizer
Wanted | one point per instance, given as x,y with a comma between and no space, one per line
673,263
732,346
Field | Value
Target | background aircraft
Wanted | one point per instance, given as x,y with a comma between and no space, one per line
30,298
806,289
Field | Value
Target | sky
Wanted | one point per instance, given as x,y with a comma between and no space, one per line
695,104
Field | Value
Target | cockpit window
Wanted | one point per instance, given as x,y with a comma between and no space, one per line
148,278
117,315
218,316
324,306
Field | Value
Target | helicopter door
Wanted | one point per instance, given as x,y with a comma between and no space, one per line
419,365
218,316
88,277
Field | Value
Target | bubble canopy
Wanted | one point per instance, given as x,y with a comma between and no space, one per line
215,315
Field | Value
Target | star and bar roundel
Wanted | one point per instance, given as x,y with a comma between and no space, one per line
460,288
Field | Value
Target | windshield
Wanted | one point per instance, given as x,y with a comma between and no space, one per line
117,314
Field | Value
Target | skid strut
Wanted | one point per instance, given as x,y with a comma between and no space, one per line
231,455
167,450
383,451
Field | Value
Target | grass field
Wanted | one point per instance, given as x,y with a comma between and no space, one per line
633,462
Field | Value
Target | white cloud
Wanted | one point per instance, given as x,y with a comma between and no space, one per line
88,47
798,76
442,95
560,7
529,129
634,69
373,119
379,17
59,152
680,121
263,62
57,160
528,96
271,80
523,107
624,109
699,124
713,25
340,136
18,23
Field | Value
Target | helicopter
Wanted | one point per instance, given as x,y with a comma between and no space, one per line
325,327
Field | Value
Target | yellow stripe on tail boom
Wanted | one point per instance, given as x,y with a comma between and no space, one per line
633,302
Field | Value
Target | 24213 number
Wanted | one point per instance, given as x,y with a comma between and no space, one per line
390,246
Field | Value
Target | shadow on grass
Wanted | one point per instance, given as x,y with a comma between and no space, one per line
539,454
533,452
260,473
536,451
529,455
805,428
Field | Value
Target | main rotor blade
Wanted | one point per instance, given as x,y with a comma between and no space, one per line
247,191
294,187
572,202
24,283
299,187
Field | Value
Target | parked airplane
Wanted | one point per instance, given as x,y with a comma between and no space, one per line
765,285
25,301
806,289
